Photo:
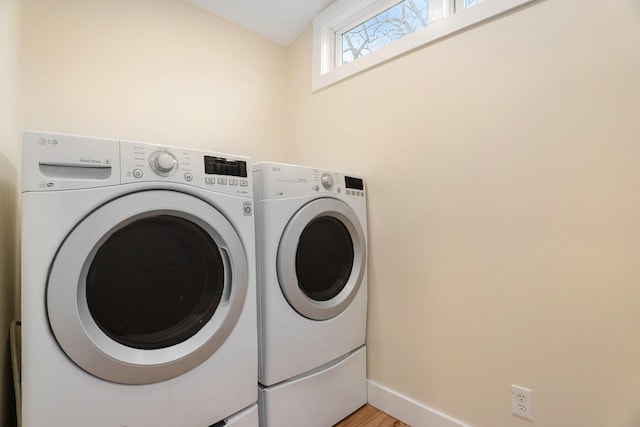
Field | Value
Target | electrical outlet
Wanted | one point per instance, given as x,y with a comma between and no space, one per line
521,402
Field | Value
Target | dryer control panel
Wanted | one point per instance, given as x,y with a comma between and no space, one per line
279,180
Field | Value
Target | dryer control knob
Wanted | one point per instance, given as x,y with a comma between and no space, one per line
327,181
163,163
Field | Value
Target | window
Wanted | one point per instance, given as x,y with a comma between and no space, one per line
392,24
353,35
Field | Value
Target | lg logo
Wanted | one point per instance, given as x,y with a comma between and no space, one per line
46,141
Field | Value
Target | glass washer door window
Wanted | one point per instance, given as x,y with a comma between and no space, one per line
132,317
321,259
155,282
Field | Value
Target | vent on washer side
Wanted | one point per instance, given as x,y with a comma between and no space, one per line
219,424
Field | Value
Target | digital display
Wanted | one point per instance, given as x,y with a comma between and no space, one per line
354,183
222,166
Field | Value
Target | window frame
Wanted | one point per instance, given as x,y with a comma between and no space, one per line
343,15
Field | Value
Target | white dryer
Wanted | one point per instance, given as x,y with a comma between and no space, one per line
312,292
138,301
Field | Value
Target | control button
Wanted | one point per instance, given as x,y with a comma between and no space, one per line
222,181
316,188
327,181
163,163
233,182
348,192
210,180
137,173
188,177
244,183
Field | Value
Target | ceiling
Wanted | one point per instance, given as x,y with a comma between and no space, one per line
279,20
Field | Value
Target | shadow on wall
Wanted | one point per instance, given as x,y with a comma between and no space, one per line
8,275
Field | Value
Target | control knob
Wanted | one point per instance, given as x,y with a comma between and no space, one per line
327,181
163,163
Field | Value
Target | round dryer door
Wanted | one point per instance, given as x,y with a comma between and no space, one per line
147,287
322,259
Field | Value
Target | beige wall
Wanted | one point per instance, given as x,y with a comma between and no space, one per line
153,70
503,168
10,25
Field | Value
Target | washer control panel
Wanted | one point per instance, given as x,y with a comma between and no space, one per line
142,162
54,161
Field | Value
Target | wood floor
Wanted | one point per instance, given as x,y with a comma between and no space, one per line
368,416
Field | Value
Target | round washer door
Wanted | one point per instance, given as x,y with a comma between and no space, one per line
322,259
147,287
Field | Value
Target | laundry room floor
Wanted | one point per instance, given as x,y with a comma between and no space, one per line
368,416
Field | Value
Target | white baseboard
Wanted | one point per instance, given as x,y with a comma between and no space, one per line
408,410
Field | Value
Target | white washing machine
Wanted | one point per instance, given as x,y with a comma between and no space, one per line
138,285
312,293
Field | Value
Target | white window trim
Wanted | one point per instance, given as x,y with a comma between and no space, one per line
345,14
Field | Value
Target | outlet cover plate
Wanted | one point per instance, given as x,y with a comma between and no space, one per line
522,402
